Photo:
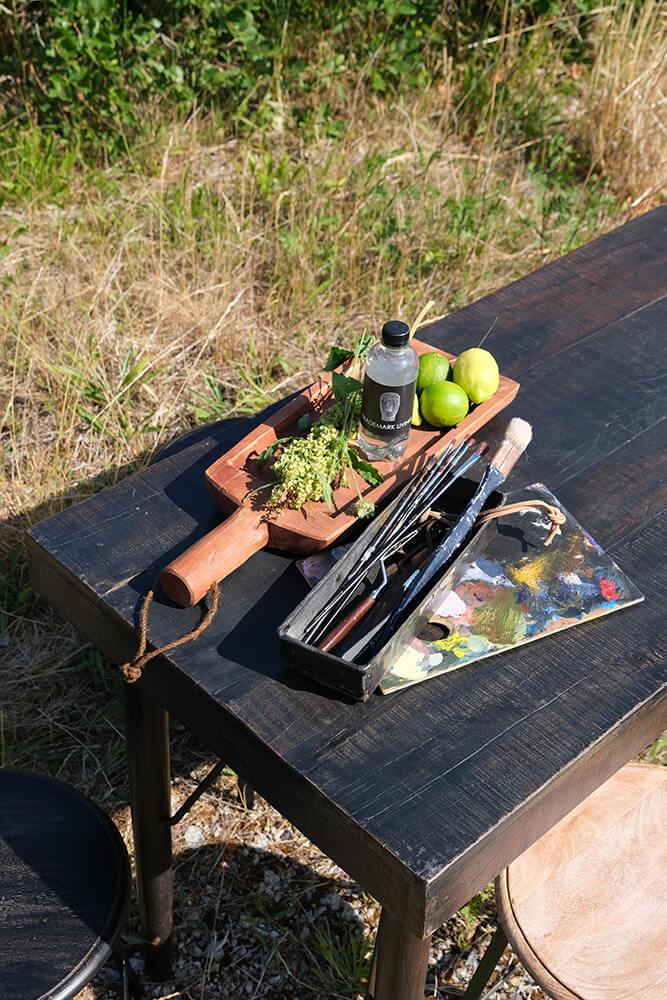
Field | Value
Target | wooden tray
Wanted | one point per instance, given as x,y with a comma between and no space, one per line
253,524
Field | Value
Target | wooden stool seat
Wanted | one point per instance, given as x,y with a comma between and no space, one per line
585,907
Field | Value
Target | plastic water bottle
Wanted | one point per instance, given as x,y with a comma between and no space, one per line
389,389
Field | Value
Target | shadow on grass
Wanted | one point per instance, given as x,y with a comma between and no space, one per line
256,921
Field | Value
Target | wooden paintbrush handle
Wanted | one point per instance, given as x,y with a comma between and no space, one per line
187,579
339,632
506,458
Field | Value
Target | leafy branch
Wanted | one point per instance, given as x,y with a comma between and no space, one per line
312,467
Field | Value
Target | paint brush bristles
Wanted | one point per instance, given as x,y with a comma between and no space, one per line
518,436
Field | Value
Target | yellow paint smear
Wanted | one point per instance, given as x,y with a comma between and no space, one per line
534,571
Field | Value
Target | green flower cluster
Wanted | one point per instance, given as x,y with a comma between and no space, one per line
335,415
314,466
305,466
364,508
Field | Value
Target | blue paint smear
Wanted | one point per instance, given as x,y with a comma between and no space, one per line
488,567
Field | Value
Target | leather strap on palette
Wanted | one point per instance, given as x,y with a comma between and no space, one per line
132,671
555,515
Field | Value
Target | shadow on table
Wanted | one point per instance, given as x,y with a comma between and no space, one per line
218,430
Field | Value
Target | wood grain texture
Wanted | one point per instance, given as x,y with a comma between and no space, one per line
188,578
585,907
425,796
543,314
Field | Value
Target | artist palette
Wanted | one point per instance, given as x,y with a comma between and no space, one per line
504,589
507,588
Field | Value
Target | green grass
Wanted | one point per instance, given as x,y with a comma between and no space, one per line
343,959
203,271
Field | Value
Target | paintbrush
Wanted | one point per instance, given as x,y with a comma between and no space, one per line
336,634
517,438
417,557
399,524
388,522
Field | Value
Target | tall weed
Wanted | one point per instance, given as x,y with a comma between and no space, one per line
623,127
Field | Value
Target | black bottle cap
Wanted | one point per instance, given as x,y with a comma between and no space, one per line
395,333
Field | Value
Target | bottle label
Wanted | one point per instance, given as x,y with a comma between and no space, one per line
386,410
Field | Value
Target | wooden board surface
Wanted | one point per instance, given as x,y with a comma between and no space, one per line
235,475
238,485
425,796
585,906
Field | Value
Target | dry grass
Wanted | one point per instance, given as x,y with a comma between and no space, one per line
241,261
624,125
207,277
224,267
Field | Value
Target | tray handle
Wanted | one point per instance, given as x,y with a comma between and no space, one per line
187,579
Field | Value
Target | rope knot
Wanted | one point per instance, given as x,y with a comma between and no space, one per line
132,671
555,515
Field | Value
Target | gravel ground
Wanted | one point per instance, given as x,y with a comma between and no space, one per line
262,914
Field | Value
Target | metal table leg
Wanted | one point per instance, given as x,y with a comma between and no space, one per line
147,732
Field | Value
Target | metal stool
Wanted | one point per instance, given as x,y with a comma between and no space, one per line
585,907
64,890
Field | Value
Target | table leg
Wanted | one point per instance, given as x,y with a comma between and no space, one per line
147,733
400,960
484,970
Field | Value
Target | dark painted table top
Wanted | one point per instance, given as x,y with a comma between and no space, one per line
426,795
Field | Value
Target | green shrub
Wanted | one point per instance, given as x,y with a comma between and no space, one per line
94,70
92,67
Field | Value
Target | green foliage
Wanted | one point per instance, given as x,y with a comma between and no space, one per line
656,753
259,383
35,167
344,386
85,67
561,200
343,965
269,452
212,404
476,908
261,377
15,592
98,387
91,70
339,355
311,467
365,469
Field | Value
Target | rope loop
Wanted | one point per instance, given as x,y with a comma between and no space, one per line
555,515
132,671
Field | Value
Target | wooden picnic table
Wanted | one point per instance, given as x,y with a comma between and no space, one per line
423,797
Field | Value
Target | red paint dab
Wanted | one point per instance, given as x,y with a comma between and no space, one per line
608,589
